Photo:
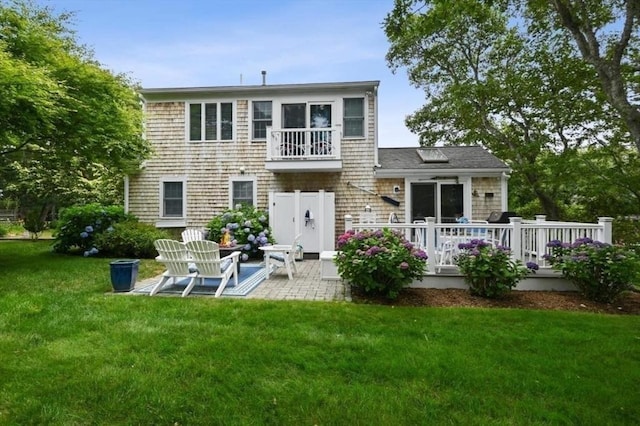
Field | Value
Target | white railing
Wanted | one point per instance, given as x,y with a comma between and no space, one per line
299,144
527,239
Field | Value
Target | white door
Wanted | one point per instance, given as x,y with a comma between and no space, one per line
310,214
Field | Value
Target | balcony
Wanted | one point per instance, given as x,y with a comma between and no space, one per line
303,150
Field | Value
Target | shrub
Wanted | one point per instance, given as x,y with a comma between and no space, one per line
78,226
247,226
490,271
4,230
130,239
600,271
381,262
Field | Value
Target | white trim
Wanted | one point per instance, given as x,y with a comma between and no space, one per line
163,180
126,194
243,178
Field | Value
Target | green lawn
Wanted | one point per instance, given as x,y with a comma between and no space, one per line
72,353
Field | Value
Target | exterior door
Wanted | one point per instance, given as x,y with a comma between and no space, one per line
441,200
423,200
293,141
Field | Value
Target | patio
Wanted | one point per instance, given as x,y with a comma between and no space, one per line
305,285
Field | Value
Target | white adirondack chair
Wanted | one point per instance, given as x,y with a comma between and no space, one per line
192,235
206,256
176,258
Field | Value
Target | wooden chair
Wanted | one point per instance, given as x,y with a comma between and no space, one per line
206,256
192,235
176,259
281,255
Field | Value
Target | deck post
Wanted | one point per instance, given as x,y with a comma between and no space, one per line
516,237
605,230
542,238
348,222
430,243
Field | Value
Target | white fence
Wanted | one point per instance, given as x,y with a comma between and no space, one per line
526,239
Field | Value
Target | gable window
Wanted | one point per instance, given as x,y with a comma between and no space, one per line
172,197
262,118
353,117
210,121
242,190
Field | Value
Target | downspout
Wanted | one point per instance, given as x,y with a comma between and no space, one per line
504,187
375,137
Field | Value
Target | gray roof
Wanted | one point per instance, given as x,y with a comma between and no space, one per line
164,92
460,159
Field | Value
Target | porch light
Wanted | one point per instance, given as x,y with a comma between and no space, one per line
367,208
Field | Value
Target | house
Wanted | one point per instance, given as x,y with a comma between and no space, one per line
307,153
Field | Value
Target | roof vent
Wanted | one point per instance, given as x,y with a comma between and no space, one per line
432,155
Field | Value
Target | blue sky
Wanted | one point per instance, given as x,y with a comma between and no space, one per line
183,43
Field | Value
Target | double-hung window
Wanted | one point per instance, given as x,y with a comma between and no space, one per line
242,190
262,118
210,121
353,126
172,195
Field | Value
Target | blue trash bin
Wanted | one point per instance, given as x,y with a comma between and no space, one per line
124,273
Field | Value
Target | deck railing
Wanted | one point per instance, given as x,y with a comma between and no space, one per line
301,144
527,239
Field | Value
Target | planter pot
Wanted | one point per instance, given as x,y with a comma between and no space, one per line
124,273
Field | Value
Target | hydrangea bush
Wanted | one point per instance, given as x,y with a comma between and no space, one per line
490,271
78,226
247,226
381,261
600,271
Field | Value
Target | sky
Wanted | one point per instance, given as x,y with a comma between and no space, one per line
195,43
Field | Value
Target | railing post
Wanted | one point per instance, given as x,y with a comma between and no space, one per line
348,222
541,234
516,237
605,230
430,243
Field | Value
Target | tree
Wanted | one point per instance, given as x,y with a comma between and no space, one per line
606,33
526,96
62,115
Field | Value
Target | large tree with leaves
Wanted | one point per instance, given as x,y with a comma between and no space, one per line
65,120
526,95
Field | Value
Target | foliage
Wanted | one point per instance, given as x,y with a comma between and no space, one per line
490,271
600,271
626,231
68,127
498,74
130,239
379,262
246,226
34,223
78,226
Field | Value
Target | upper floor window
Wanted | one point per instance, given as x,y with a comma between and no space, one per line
353,117
262,118
211,121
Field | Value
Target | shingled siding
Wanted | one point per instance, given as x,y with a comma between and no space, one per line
208,166
482,205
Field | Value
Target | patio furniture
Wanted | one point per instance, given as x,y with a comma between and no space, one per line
192,235
281,255
206,256
176,259
450,241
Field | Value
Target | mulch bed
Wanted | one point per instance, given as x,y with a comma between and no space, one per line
628,304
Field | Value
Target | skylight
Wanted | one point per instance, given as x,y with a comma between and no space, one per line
432,155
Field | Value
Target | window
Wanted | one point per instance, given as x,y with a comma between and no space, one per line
262,118
353,117
173,199
217,124
242,191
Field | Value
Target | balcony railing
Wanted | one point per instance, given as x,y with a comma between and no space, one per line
303,144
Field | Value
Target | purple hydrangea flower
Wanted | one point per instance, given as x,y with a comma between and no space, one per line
84,234
89,228
532,266
404,265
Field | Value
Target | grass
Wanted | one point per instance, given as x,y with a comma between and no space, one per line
72,353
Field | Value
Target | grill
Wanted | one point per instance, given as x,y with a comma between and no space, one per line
500,217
